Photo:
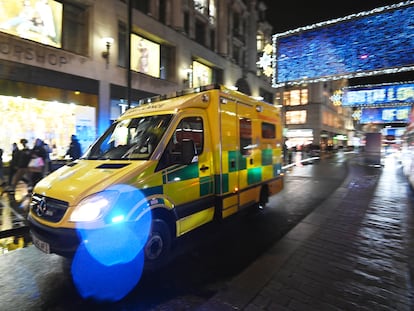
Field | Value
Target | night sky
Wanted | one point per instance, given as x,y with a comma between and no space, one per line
291,14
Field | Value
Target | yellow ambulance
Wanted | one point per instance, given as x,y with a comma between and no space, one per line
182,161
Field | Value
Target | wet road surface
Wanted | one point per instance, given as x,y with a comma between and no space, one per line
204,262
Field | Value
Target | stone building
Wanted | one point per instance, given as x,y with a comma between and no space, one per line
73,66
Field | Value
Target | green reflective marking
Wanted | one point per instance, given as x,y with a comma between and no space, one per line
267,156
254,175
206,185
222,183
185,173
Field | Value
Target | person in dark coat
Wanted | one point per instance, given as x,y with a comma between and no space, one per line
74,150
23,158
13,166
2,182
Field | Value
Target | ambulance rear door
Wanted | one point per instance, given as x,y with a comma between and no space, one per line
228,181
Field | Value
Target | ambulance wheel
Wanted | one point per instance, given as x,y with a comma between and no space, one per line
158,246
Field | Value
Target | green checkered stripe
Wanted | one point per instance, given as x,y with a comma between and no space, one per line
254,175
177,173
221,183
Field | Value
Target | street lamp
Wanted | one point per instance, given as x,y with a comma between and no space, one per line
105,54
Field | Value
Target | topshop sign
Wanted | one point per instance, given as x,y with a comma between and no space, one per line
29,54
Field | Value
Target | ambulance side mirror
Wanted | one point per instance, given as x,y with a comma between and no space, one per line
188,151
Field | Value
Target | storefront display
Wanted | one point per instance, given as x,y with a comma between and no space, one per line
52,121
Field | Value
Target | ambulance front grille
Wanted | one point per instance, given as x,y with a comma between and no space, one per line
47,208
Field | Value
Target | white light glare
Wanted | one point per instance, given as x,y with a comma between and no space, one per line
93,207
118,218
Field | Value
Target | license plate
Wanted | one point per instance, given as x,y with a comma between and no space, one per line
43,246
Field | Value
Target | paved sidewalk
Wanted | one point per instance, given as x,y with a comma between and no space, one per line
354,252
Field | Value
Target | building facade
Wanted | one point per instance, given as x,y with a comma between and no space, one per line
313,115
73,66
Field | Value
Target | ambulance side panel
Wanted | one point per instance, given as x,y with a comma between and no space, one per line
250,154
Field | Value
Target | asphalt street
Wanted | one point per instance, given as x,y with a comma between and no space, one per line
351,252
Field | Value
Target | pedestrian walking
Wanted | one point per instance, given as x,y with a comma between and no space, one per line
2,181
23,159
74,151
37,163
48,162
13,162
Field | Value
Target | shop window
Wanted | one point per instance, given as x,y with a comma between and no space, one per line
151,58
245,126
295,117
51,23
40,21
202,74
295,97
50,120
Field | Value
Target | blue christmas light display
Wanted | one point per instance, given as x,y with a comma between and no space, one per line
368,43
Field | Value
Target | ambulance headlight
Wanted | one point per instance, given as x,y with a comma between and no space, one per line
94,207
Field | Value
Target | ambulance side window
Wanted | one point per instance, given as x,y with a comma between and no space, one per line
246,139
189,132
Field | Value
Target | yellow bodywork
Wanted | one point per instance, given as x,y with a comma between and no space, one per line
235,163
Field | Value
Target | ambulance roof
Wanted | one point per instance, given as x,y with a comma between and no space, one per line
188,98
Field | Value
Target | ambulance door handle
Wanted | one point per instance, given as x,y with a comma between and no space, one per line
251,161
233,164
204,168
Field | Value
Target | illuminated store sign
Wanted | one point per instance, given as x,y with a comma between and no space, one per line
398,114
37,20
363,44
145,56
378,95
293,133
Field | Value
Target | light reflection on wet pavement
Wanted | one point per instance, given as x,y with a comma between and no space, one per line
354,252
13,226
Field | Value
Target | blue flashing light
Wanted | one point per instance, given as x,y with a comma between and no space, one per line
109,260
100,282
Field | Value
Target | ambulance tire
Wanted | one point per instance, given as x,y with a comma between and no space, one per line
158,246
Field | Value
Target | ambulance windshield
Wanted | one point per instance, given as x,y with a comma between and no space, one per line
130,139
